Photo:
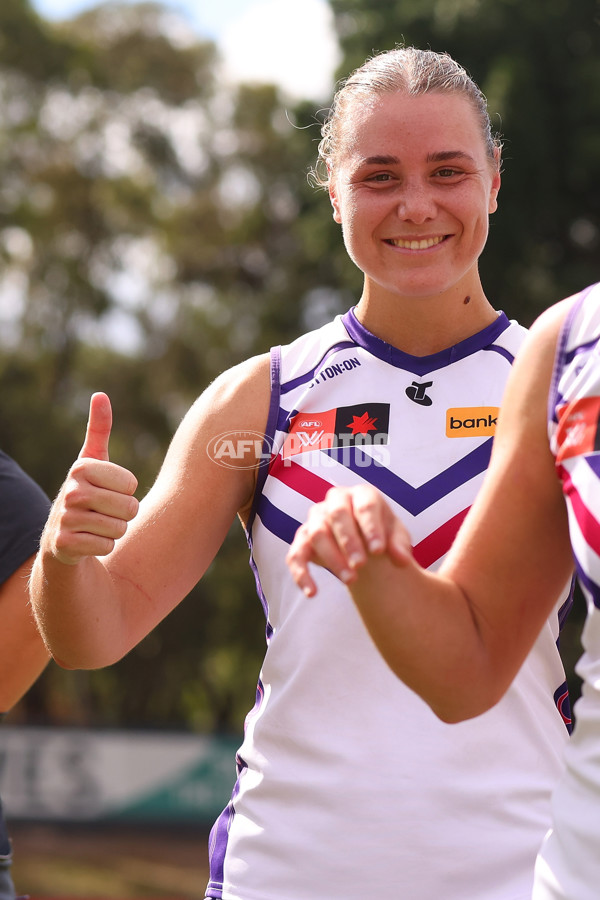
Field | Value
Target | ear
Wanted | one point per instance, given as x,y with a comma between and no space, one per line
337,217
496,182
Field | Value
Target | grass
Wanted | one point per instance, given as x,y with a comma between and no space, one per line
115,864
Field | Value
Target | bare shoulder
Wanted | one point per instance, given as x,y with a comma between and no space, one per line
237,399
528,385
546,328
218,445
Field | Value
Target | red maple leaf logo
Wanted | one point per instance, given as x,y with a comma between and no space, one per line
362,424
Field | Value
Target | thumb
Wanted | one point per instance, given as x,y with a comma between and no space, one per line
95,445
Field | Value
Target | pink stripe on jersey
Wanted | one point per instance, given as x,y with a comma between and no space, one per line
588,524
435,545
311,486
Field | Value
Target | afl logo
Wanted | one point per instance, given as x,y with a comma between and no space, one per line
310,423
240,449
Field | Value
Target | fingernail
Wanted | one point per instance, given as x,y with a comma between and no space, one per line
355,560
346,575
375,545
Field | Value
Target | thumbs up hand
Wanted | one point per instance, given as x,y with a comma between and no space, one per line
96,501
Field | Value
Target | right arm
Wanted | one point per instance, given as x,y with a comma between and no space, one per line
108,572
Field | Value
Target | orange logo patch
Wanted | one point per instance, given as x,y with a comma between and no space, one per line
577,431
471,421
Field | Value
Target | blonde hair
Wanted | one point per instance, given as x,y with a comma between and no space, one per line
405,70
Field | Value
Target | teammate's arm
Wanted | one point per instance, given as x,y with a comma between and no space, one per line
107,573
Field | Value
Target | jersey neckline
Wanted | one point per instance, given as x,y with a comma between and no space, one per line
422,364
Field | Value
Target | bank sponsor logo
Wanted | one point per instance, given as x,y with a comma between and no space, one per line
471,421
362,424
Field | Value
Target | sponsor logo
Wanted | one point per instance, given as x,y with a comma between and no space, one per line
471,421
362,424
578,429
416,393
239,449
335,369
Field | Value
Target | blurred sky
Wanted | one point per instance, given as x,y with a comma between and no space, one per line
289,42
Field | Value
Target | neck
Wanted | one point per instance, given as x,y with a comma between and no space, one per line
422,326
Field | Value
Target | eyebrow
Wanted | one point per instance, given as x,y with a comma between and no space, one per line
439,156
381,160
445,155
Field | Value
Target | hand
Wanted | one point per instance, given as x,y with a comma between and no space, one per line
342,531
96,501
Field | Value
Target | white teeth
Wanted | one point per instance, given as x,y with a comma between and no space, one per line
416,245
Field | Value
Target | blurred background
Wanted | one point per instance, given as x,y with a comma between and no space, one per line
157,226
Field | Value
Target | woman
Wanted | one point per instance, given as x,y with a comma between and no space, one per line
537,514
348,786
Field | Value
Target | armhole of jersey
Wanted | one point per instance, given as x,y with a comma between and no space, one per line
270,430
561,346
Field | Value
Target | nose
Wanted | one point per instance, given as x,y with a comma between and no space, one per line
415,202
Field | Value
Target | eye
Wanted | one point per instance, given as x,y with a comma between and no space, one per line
448,172
380,177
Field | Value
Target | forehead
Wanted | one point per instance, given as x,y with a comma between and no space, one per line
401,125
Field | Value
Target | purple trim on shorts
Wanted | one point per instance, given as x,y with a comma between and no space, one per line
422,365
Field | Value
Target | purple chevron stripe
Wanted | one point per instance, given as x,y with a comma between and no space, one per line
276,521
414,499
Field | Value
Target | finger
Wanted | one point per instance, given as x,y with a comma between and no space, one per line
95,445
399,547
337,514
373,517
86,473
95,537
110,495
297,559
316,544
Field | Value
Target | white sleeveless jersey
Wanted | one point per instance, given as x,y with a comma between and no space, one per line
568,867
349,787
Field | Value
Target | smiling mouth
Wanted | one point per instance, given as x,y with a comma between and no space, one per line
422,244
